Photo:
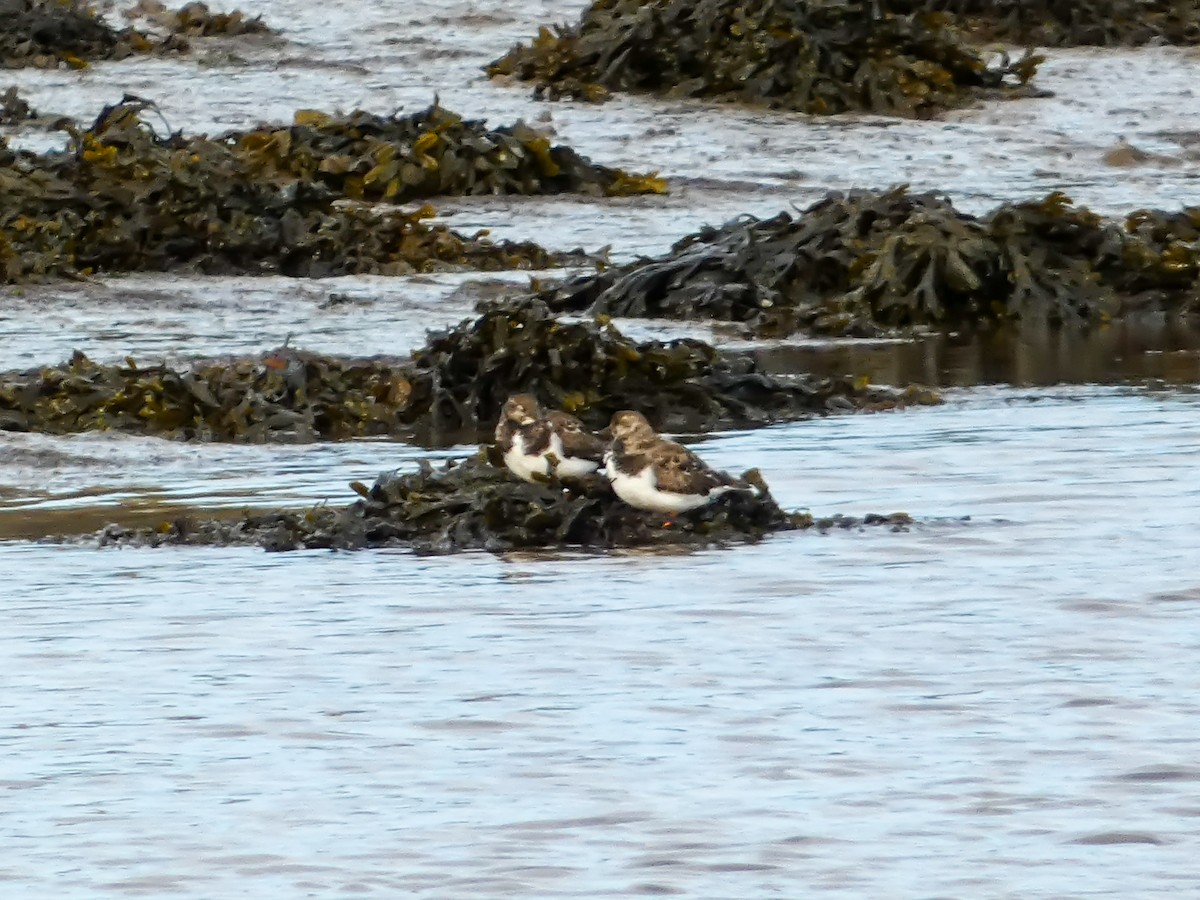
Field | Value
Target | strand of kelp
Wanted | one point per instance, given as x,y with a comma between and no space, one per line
450,390
812,56
1068,23
474,505
870,262
122,198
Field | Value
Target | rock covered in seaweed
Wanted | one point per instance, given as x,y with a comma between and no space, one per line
429,153
591,370
864,262
196,19
123,198
286,395
1069,23
48,33
811,56
472,505
450,390
14,109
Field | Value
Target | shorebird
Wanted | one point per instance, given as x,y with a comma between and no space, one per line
538,444
657,475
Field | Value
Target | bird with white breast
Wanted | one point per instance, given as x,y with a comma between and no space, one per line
651,473
537,444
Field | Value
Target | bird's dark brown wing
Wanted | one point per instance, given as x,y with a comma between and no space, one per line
577,442
536,436
626,462
681,471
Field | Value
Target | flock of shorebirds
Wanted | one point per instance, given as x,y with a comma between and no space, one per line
646,471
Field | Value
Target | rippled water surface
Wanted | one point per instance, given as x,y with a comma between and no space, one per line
1005,706
999,702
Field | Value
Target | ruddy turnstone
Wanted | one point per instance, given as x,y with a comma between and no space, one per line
537,444
658,475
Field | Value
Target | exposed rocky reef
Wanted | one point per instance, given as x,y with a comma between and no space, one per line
868,263
812,56
472,505
1069,23
450,390
124,198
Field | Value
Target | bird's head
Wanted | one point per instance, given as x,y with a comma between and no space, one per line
521,409
631,428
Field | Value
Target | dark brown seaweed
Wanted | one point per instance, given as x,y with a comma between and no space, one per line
812,56
450,390
868,262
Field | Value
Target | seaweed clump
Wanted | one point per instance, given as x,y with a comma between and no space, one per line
804,55
286,395
123,198
1070,23
450,390
472,505
14,109
48,33
197,20
428,153
591,370
866,262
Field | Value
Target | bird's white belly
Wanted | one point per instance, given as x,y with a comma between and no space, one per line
570,466
641,492
525,465
522,464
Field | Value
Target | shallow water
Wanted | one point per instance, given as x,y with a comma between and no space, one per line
153,318
74,485
1002,706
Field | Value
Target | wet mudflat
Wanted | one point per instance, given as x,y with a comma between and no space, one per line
1001,706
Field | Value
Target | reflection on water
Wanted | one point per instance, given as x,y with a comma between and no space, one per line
1167,351
1002,709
